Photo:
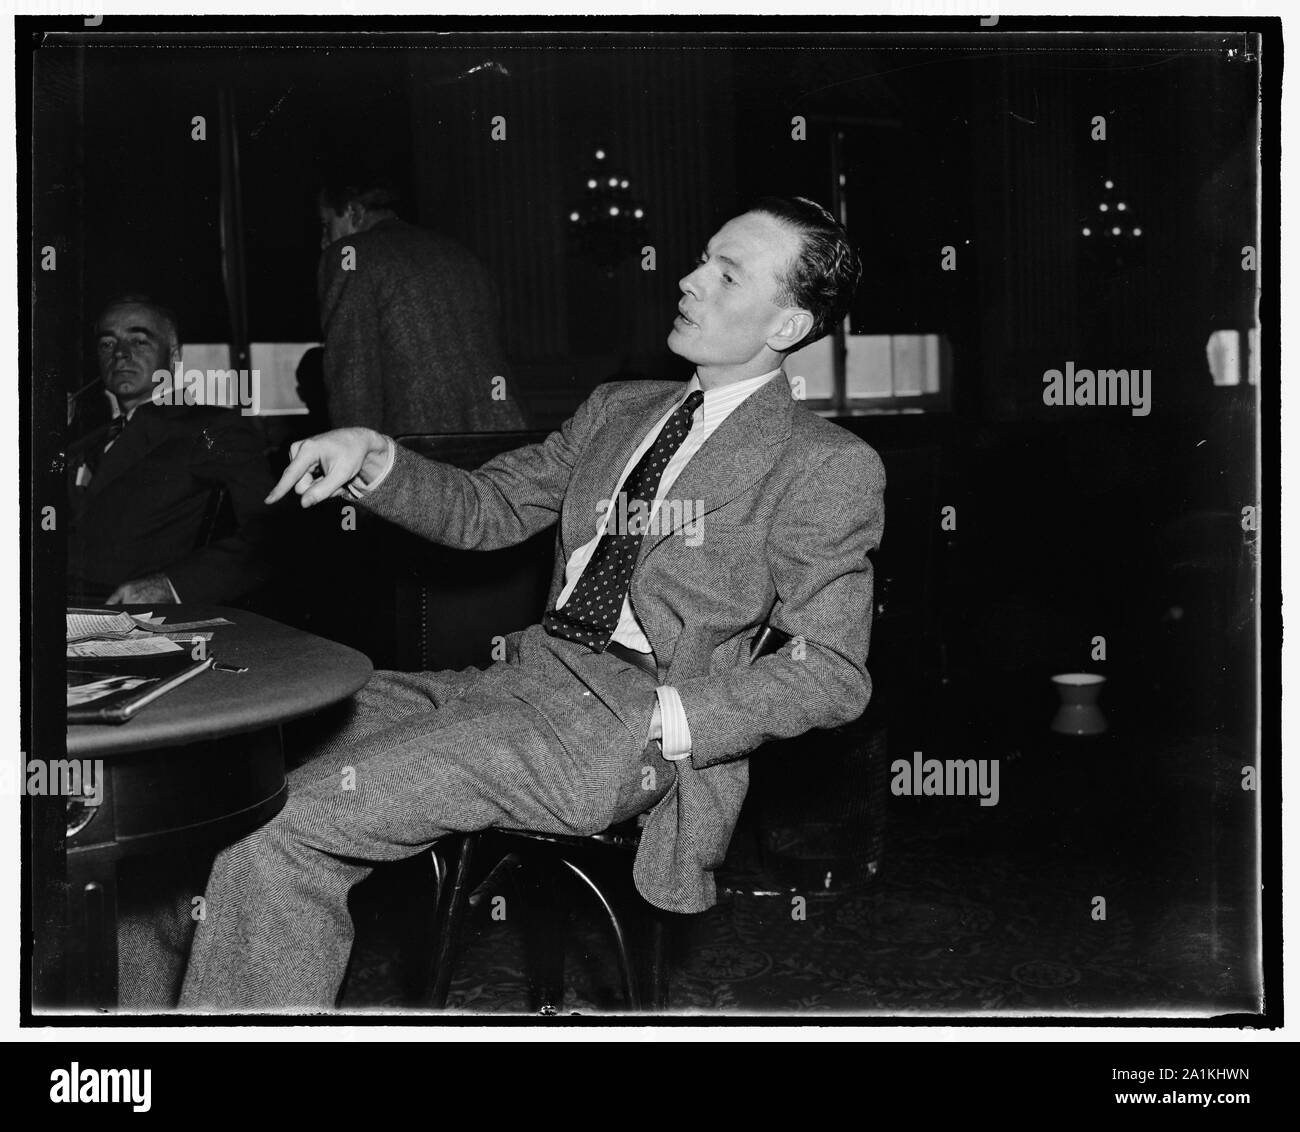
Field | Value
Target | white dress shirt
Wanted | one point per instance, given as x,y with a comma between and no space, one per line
717,406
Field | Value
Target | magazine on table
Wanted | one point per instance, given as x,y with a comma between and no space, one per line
114,689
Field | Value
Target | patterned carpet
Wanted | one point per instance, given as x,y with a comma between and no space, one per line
975,910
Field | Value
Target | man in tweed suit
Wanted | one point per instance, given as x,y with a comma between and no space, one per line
637,692
410,320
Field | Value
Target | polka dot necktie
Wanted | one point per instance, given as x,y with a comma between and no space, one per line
591,614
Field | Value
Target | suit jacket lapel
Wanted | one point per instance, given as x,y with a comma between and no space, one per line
597,474
743,448
127,451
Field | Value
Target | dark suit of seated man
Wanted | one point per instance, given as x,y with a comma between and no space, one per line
687,513
147,496
147,488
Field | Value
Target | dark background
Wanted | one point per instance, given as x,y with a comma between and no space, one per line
1071,523
988,151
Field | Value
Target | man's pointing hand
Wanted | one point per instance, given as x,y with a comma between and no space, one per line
322,466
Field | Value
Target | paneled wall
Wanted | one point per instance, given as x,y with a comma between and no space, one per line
664,117
1177,149
1025,187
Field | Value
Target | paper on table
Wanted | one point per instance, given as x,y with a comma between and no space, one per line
81,625
124,626
134,647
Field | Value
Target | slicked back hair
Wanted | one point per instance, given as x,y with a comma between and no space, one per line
822,278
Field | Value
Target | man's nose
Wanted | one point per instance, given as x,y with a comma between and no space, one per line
689,285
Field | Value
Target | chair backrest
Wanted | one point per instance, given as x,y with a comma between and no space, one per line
452,607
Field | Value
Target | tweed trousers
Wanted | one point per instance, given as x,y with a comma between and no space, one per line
551,738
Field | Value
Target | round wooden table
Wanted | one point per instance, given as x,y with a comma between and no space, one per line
201,766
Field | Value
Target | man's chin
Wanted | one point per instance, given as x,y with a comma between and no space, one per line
128,392
678,344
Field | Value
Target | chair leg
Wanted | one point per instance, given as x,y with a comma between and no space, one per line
657,972
645,986
631,992
453,901
421,910
544,924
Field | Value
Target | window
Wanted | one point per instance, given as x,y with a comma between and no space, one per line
1228,366
883,373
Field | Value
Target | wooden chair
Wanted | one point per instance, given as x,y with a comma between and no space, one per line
603,863
541,864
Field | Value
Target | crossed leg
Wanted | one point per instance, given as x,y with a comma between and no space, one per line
420,756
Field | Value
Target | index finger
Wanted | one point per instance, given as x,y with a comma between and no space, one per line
304,459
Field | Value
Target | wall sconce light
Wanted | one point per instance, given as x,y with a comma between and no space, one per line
608,224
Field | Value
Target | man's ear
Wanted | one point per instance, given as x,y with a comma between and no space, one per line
794,328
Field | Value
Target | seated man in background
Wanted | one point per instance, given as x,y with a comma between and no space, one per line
637,692
149,489
147,495
411,321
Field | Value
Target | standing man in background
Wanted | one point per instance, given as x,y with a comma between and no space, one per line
410,320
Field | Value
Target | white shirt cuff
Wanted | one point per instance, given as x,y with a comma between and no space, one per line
359,489
677,732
